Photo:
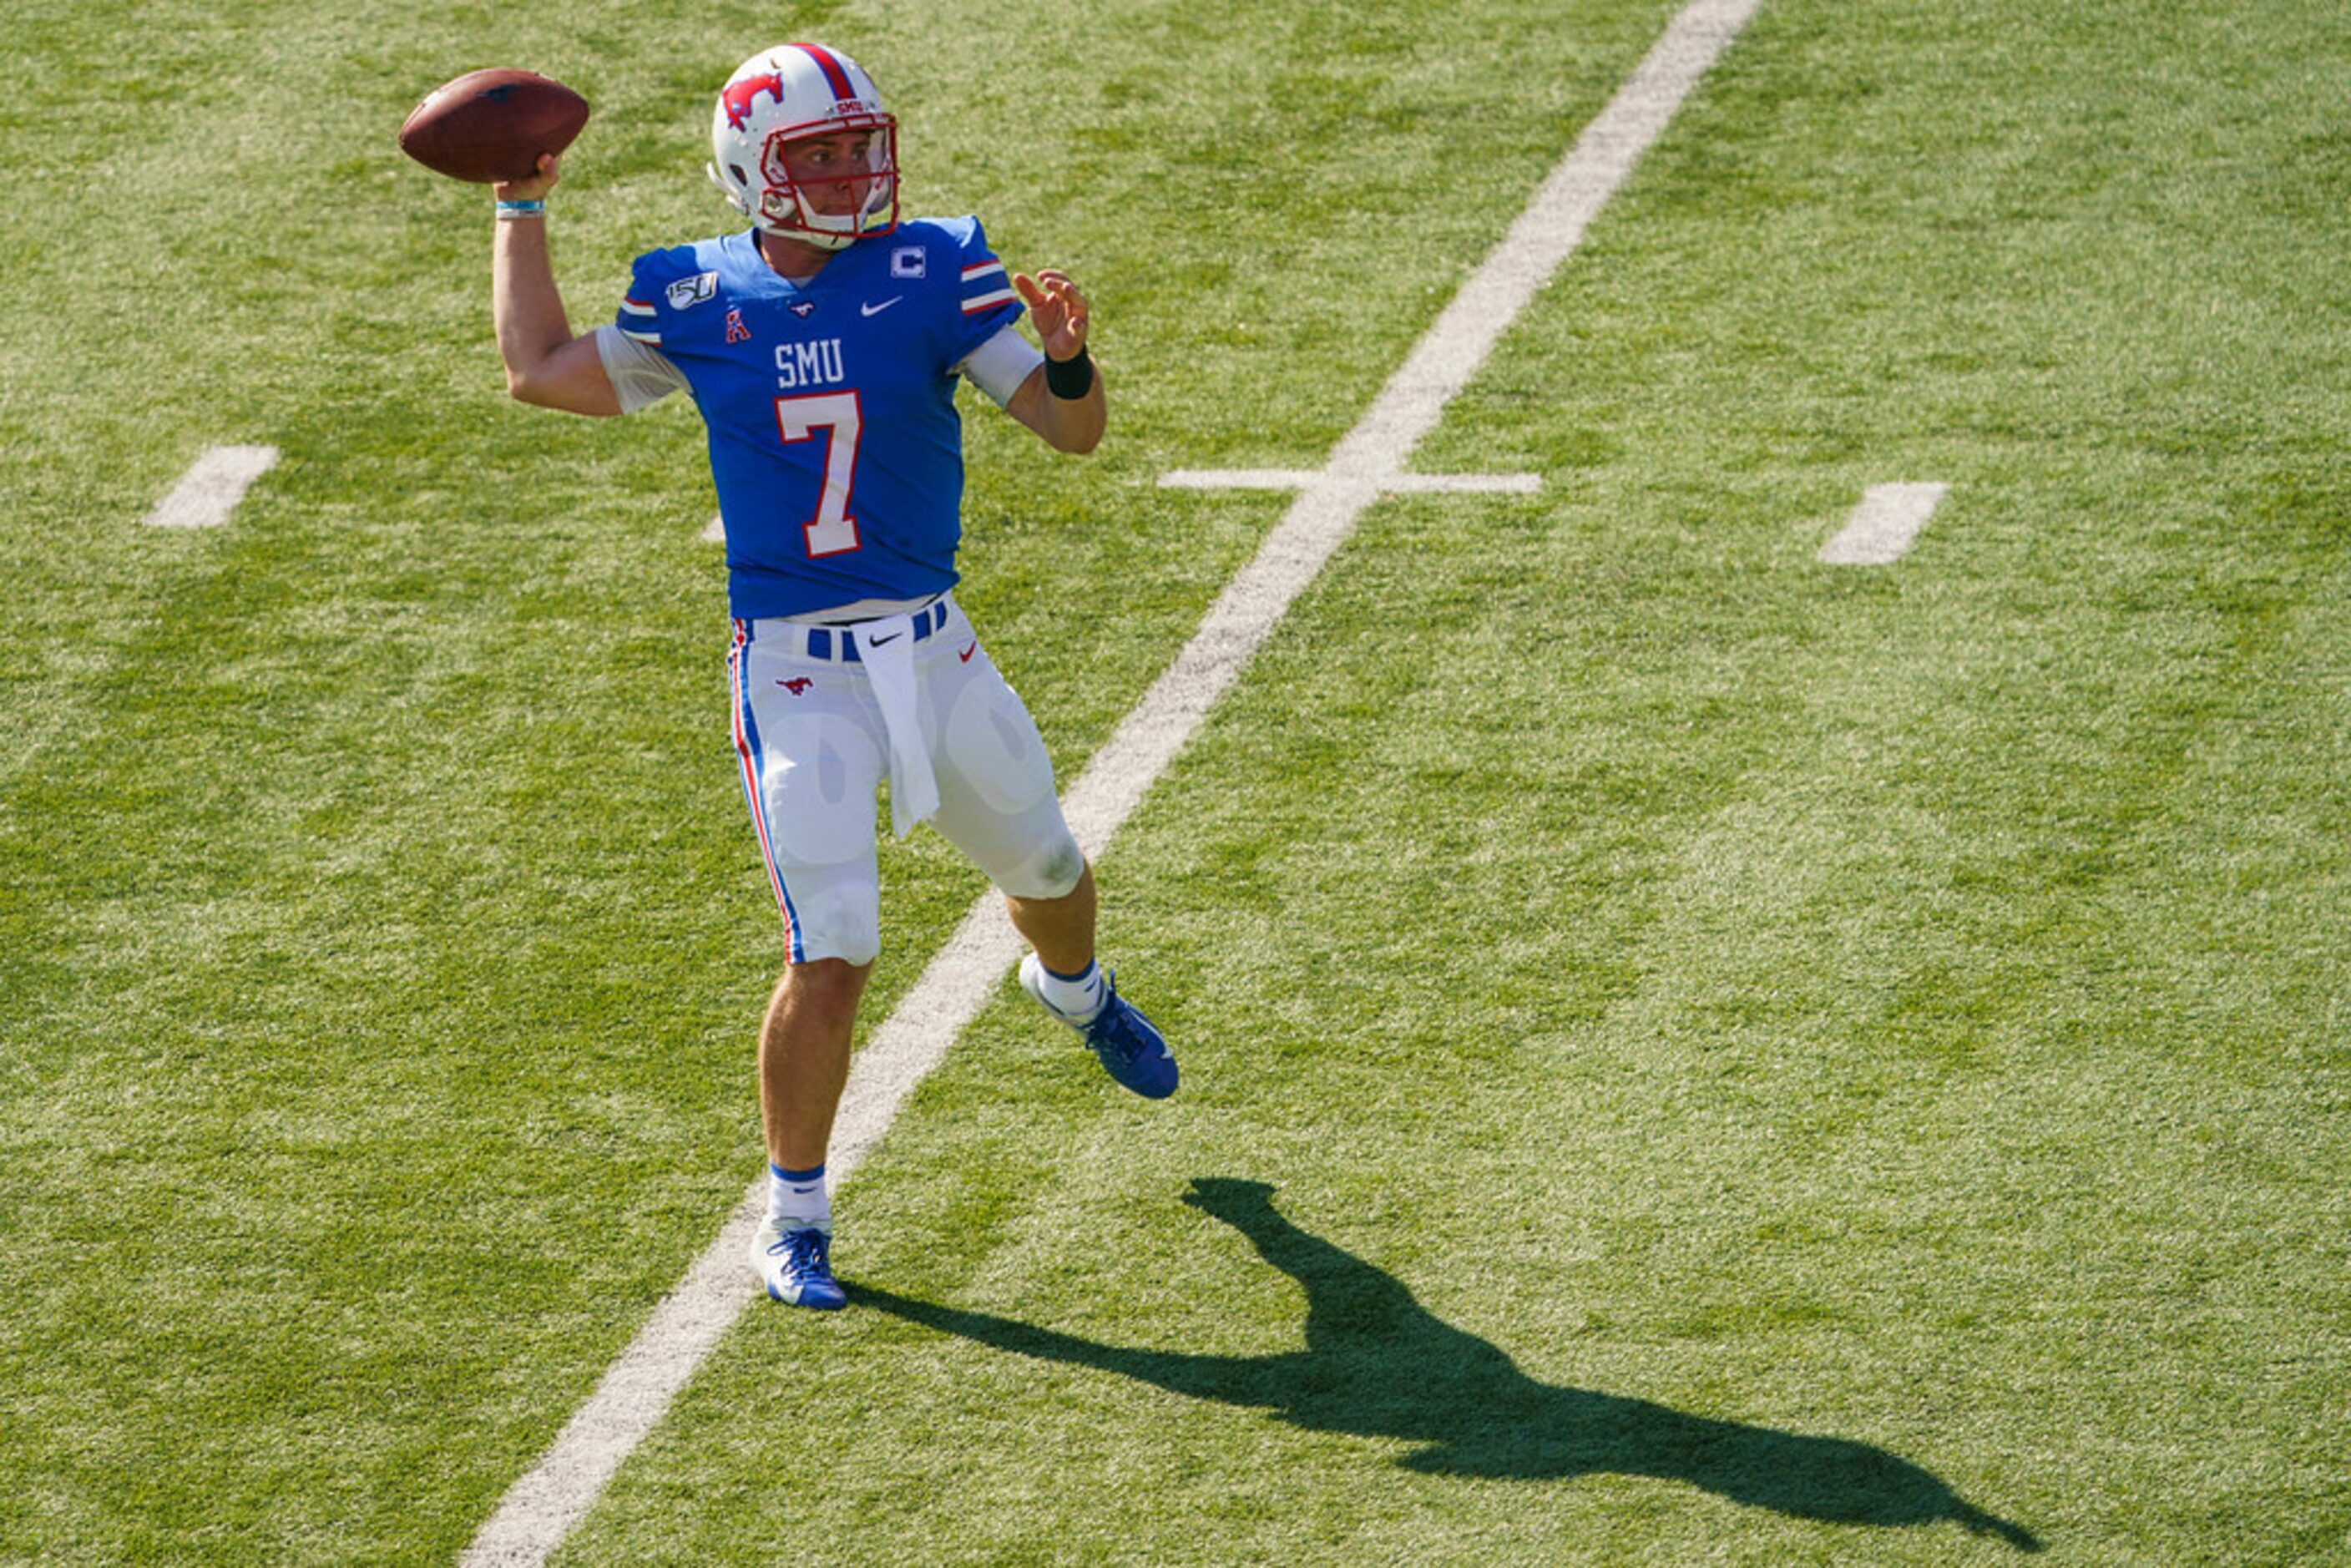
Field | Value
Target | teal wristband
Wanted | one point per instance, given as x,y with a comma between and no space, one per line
510,211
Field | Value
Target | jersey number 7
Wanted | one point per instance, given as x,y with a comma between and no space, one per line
832,530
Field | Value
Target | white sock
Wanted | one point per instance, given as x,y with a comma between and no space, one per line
1078,997
797,1200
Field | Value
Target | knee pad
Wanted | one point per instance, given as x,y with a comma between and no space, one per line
1054,871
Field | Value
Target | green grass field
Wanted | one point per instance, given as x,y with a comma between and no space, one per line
1692,1054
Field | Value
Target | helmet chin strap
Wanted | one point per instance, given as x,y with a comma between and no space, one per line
801,230
816,238
809,227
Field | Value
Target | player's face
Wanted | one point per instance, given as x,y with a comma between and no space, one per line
834,172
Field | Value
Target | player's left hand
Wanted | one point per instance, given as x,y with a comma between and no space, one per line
1058,308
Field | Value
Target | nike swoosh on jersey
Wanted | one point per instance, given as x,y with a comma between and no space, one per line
877,642
869,308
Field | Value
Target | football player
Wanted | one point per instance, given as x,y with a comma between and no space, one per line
823,345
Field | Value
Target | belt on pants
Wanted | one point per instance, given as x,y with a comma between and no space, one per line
835,645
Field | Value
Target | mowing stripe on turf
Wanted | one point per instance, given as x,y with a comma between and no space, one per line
210,488
1395,484
1882,528
544,1505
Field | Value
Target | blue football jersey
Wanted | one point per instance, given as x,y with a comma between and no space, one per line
829,403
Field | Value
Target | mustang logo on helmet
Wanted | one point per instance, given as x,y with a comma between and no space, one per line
742,96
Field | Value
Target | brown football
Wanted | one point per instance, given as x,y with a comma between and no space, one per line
488,126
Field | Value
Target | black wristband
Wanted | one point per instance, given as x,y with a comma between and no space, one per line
1070,379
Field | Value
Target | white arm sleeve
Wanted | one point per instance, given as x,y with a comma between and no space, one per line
640,373
999,366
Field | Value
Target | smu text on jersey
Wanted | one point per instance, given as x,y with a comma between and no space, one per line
813,364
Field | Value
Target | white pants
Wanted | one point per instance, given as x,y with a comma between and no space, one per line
815,749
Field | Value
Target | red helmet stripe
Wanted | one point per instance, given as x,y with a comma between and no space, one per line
837,79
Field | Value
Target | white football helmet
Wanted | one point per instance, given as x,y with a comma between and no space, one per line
784,94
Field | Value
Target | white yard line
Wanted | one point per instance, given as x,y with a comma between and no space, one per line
1884,525
545,1504
209,491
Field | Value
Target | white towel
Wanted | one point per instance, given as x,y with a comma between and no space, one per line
887,648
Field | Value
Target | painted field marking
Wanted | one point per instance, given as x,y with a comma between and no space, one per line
546,1504
716,533
209,491
1884,525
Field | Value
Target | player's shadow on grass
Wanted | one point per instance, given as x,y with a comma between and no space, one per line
1378,1364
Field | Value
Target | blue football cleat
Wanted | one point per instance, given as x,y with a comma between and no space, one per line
1129,1048
798,1266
